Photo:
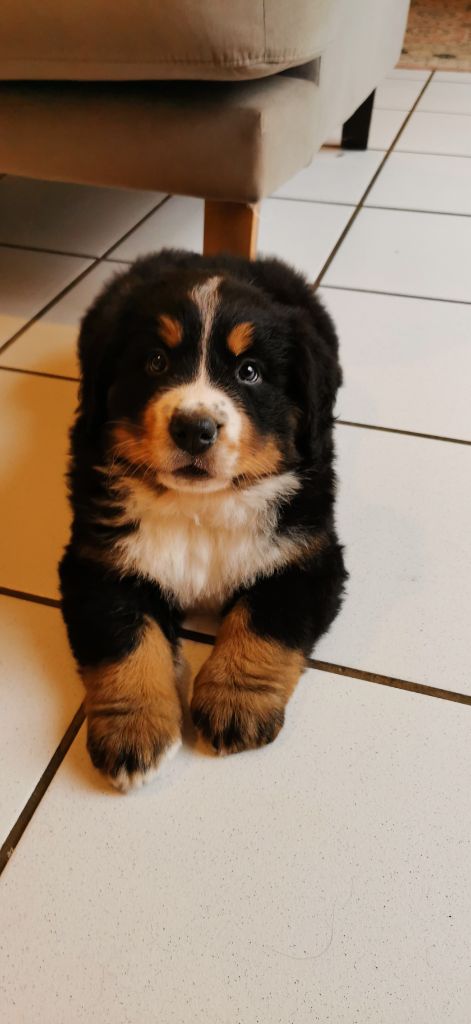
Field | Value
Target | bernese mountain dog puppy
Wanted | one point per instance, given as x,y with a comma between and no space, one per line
201,476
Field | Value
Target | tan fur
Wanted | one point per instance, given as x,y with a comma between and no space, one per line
245,684
251,456
240,338
257,456
171,330
133,704
132,443
245,454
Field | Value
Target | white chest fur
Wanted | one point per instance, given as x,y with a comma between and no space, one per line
202,547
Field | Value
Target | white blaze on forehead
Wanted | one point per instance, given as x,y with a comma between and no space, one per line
206,298
200,394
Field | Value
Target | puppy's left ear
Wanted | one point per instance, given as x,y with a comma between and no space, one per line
97,346
316,377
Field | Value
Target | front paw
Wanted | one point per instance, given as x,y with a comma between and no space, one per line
129,746
236,714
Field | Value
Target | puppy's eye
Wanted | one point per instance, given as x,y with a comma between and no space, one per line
157,363
248,372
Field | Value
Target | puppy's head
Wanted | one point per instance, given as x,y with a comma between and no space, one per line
196,374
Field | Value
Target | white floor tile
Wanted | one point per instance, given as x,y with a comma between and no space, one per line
418,254
40,694
397,93
384,127
437,133
410,74
68,218
49,345
28,281
35,413
447,98
335,176
178,223
459,77
403,513
416,181
301,233
407,362
322,878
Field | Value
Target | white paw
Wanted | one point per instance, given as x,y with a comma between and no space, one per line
126,781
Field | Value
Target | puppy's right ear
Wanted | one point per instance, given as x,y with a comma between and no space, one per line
97,350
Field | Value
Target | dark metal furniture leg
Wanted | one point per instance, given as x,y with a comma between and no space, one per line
356,130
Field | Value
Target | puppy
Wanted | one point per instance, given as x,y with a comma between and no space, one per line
201,476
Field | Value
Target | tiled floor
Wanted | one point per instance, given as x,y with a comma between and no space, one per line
326,878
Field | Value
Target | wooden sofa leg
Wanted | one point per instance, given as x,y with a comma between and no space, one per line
230,227
356,130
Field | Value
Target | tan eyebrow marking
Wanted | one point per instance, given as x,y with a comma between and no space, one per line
239,339
171,330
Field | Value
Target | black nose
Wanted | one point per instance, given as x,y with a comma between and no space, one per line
193,432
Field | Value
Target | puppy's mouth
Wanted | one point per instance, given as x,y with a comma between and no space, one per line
195,475
192,471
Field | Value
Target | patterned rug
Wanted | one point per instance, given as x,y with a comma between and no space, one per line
438,35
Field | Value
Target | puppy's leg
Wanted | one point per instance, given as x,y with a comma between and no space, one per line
122,636
241,691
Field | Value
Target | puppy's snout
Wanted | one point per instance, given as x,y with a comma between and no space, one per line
193,432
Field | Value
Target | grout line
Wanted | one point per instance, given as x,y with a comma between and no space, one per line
39,790
396,295
367,191
111,261
96,261
324,666
196,636
44,309
411,209
375,149
394,683
434,152
134,228
84,255
22,595
373,206
397,110
48,251
407,433
446,113
315,202
38,373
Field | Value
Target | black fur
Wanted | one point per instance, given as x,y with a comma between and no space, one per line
297,345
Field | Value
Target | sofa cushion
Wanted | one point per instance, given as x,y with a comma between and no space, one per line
160,39
219,141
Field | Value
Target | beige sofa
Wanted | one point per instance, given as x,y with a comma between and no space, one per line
223,99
